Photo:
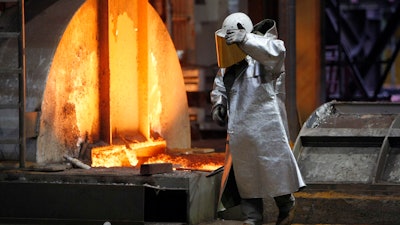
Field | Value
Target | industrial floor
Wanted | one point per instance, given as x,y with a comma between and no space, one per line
218,144
230,222
382,206
234,222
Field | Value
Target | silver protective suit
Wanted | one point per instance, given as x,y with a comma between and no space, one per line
263,162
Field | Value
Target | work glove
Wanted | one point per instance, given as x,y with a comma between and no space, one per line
219,115
235,35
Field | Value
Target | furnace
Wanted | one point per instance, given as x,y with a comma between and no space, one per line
99,71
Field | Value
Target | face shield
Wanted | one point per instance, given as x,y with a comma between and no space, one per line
227,55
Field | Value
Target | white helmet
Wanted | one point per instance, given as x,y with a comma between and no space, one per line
228,55
231,22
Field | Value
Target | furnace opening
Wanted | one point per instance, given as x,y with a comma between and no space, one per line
115,82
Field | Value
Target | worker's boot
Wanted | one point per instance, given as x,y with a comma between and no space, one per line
252,210
286,205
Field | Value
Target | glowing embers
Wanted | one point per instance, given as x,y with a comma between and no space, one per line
126,155
134,154
191,160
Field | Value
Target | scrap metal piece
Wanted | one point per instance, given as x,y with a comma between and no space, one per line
215,172
77,162
155,168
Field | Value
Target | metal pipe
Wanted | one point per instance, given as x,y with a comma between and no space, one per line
287,30
22,84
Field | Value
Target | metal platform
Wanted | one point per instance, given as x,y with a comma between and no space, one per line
349,155
97,195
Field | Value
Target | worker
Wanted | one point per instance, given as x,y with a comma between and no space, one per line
248,96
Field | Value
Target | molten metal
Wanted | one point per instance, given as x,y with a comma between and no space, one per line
125,155
199,162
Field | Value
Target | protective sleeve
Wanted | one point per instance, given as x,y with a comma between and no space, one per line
268,50
218,93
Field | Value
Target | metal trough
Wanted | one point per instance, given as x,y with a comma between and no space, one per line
117,195
349,155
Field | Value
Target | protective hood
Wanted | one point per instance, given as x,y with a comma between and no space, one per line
266,27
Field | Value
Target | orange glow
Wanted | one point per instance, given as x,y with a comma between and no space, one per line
125,155
203,162
112,156
131,154
115,72
123,52
142,73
